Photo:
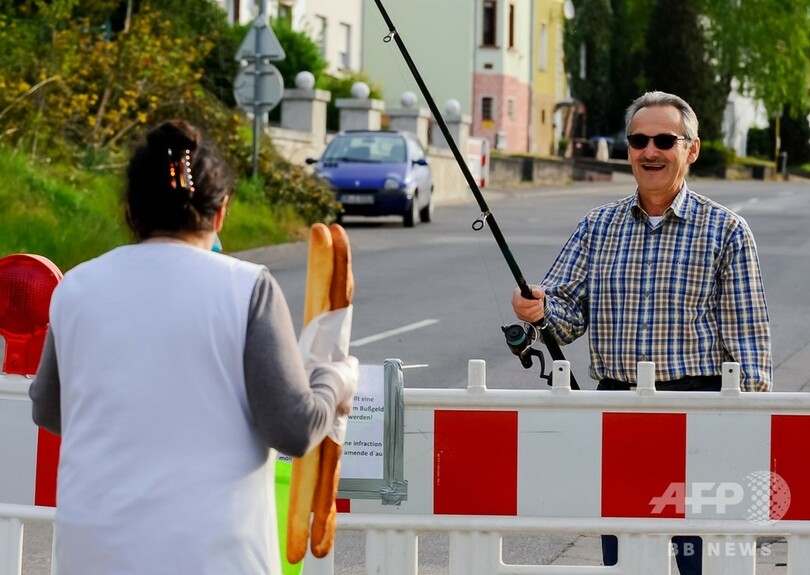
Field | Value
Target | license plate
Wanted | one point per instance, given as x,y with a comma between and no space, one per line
357,199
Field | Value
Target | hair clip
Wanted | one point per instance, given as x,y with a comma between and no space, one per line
180,172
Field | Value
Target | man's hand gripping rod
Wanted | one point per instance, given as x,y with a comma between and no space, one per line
486,214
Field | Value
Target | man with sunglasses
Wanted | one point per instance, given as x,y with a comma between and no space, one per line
664,275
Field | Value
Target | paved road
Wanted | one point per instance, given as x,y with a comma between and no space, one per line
438,295
452,287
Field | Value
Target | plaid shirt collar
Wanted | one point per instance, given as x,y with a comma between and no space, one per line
678,207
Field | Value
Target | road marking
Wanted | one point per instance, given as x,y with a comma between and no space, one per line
393,332
737,209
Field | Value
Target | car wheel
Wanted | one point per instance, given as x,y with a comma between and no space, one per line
409,218
426,213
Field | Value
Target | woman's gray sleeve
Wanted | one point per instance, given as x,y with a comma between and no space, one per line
290,412
45,391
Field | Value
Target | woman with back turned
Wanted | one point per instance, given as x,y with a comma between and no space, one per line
173,375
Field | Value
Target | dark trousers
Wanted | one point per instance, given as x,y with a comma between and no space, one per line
688,550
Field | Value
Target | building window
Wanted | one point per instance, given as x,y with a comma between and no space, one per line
322,24
542,55
511,26
490,37
345,53
486,108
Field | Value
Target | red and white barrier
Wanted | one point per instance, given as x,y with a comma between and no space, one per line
29,455
644,465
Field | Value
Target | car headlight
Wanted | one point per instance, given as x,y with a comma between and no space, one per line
391,184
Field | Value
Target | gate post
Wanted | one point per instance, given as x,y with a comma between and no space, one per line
475,553
391,552
729,554
642,554
11,542
798,554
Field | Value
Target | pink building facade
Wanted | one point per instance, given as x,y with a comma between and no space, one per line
501,111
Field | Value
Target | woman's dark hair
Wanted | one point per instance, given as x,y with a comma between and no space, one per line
175,182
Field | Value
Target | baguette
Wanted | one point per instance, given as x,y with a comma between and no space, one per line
305,469
324,507
320,267
341,291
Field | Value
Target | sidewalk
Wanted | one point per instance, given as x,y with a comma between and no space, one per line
587,550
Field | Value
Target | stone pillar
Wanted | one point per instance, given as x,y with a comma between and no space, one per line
409,118
303,108
358,112
457,123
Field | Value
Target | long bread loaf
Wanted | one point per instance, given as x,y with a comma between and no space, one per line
324,507
320,265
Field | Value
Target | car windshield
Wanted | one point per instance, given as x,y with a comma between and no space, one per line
366,148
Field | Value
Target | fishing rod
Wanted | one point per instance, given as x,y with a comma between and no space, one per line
518,339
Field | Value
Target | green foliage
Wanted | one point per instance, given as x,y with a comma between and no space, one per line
762,47
308,196
591,86
713,159
760,143
675,29
794,134
64,215
302,54
70,216
341,87
81,82
209,20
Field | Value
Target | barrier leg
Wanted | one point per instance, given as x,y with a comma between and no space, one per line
729,555
314,566
644,554
475,553
392,552
11,545
798,554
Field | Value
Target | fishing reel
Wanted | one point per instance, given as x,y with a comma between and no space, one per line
519,340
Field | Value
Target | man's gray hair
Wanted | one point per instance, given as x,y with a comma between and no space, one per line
689,120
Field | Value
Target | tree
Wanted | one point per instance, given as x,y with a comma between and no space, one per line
587,41
763,45
302,53
676,61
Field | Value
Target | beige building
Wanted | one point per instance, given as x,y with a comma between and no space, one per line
336,26
549,80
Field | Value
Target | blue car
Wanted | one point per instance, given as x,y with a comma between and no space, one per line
378,173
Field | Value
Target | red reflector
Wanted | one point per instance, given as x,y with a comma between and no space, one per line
26,285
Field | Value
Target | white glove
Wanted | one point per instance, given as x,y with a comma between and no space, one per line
345,373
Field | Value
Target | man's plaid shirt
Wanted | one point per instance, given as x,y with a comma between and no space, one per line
686,295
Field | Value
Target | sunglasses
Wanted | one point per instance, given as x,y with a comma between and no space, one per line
661,141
